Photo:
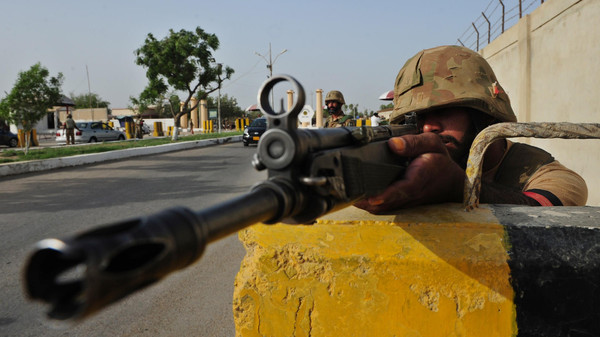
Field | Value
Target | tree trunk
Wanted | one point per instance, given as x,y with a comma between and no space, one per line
27,136
176,127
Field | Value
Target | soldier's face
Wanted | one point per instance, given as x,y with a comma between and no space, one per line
455,128
334,107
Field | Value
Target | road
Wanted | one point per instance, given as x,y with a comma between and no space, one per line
196,301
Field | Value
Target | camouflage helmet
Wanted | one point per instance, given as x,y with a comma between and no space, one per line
449,76
335,95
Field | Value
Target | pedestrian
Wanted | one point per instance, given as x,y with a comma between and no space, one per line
455,94
334,102
375,119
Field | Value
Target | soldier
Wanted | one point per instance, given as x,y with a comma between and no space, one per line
70,127
455,94
334,101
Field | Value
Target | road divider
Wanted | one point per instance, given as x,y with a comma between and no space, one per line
8,169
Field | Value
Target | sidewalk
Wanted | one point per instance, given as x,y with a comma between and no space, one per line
9,169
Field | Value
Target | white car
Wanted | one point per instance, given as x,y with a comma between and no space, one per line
91,132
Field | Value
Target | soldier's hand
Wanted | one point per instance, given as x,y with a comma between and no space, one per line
431,177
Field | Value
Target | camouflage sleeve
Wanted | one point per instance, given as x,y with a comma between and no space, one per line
565,184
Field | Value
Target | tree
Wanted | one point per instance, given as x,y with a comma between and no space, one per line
33,94
182,61
386,106
89,100
230,109
169,106
351,109
138,106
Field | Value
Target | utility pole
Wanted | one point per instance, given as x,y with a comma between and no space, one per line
89,91
270,63
219,98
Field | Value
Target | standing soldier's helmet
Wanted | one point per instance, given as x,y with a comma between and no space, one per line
335,95
449,76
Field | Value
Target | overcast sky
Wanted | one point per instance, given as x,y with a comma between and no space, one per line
353,46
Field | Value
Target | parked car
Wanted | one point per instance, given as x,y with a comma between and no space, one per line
8,138
146,129
253,132
91,132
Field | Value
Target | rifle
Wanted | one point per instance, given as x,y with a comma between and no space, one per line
311,172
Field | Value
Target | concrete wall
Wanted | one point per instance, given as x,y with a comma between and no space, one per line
548,65
96,114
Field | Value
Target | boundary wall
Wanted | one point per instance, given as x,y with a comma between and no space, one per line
547,63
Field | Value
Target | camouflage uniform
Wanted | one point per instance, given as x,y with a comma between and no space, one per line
343,120
449,76
457,77
70,127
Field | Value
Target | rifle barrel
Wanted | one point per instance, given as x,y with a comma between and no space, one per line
81,275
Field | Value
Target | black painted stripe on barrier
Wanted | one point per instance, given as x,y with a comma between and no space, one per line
555,268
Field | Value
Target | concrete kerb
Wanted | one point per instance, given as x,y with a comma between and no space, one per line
84,159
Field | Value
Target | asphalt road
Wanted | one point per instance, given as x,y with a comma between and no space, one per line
196,301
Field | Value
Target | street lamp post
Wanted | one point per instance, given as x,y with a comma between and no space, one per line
270,63
219,98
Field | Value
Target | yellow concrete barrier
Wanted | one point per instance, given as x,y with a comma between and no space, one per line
158,130
129,130
241,123
428,272
208,126
33,139
499,270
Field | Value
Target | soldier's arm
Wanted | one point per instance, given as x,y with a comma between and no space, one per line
492,193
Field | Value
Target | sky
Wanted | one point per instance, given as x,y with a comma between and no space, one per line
356,47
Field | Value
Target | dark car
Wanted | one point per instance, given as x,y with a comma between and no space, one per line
253,132
8,138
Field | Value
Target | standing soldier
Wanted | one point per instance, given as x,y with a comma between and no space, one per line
334,101
70,127
139,129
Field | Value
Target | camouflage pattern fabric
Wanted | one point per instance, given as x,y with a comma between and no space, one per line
338,122
449,76
335,95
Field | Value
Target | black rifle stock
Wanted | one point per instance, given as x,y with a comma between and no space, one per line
311,172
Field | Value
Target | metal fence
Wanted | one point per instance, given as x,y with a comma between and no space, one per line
498,16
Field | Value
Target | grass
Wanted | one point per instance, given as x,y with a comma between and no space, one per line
16,155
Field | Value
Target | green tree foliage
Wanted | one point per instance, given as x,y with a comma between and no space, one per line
165,106
138,106
230,109
88,101
352,109
33,94
254,114
386,106
182,61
